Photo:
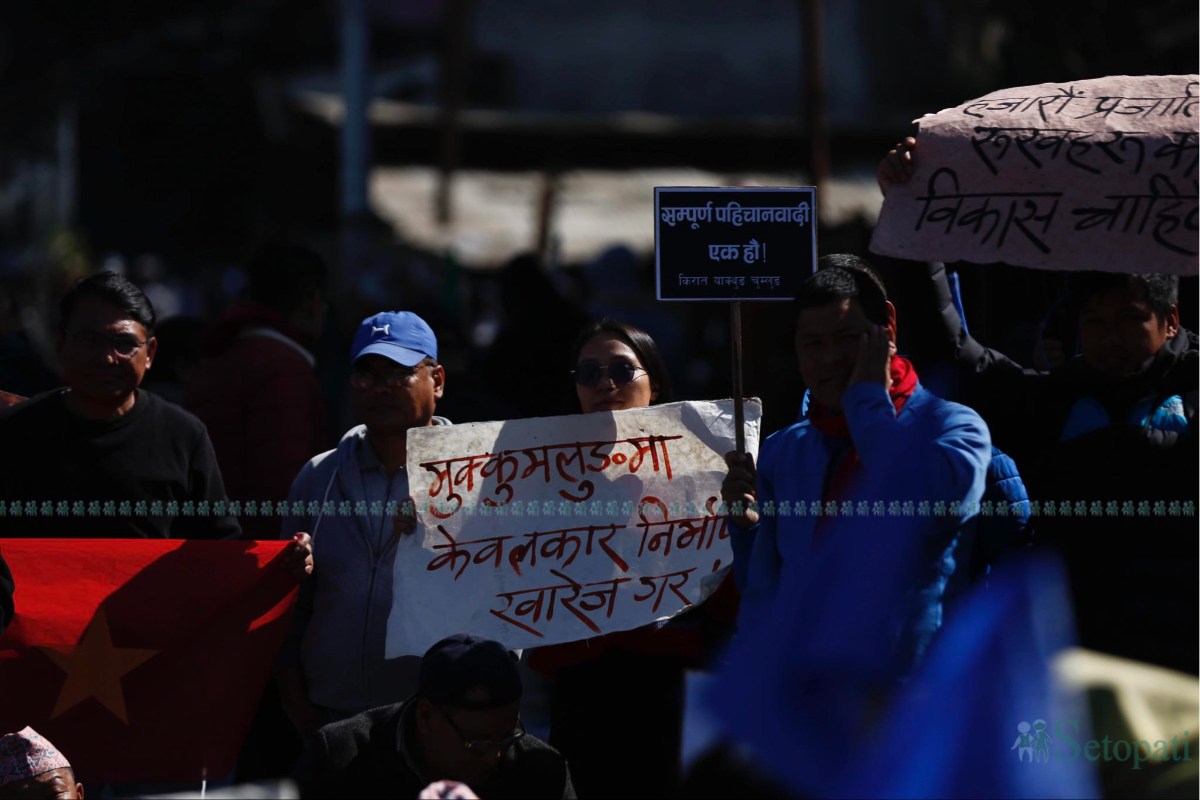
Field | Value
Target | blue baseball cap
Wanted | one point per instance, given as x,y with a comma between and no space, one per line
401,336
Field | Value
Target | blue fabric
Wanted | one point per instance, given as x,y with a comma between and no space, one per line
994,661
953,731
831,729
956,298
997,534
1088,415
885,572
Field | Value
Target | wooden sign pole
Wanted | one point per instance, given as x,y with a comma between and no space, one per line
739,416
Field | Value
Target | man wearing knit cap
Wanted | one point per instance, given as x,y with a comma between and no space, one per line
461,725
31,768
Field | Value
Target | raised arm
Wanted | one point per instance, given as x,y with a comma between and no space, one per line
951,340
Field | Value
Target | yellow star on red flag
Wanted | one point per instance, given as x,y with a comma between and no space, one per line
94,668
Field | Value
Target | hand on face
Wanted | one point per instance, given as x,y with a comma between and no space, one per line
835,348
875,350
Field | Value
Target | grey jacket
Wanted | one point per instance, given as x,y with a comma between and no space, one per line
340,623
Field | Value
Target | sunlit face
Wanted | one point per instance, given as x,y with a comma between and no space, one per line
103,353
389,397
446,731
1119,332
827,345
609,352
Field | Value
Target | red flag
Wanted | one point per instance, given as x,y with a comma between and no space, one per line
142,659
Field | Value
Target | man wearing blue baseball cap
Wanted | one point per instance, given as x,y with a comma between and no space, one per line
332,666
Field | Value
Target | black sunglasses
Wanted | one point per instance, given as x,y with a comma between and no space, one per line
481,746
590,373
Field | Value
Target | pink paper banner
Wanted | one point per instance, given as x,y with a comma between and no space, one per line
1098,174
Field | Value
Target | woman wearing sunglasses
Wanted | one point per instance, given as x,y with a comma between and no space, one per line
618,366
617,700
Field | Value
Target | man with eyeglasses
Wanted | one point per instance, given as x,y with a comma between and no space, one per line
101,457
354,502
461,725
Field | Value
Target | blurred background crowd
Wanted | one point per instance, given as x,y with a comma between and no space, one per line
490,165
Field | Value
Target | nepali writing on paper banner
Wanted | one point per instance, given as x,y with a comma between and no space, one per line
1097,175
620,524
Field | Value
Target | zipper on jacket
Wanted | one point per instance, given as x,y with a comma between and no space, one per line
366,658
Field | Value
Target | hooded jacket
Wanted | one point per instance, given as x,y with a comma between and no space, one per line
340,624
1112,472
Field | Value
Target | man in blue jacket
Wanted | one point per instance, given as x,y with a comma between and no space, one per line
333,665
853,515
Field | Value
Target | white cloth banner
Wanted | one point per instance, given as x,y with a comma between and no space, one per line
540,531
1098,174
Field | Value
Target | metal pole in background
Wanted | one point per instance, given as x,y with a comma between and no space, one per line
816,104
355,152
355,137
451,87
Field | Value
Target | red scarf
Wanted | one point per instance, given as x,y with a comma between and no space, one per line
904,381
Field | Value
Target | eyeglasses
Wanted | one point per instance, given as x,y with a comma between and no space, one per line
481,746
362,379
589,373
124,345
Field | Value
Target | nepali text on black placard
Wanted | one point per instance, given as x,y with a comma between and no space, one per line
733,243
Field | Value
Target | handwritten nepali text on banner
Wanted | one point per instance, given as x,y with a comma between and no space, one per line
1098,174
540,531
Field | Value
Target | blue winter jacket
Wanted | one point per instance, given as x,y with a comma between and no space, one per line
871,590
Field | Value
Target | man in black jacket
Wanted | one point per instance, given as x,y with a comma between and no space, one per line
101,457
1107,446
461,725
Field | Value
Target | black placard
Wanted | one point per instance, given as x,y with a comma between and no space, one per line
733,243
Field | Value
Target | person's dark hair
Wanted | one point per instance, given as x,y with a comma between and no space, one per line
1161,291
643,347
842,276
284,276
111,288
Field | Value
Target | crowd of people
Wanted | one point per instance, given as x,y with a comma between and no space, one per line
1112,429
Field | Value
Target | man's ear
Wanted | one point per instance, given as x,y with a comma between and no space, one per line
439,381
1172,322
151,350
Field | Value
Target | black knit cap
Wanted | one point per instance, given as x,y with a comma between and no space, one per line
465,671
